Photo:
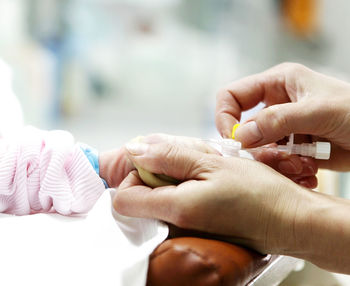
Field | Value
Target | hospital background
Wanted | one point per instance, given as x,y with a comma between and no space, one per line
110,70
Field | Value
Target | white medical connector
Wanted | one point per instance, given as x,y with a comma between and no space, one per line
317,150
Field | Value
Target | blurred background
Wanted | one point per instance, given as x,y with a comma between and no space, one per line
110,70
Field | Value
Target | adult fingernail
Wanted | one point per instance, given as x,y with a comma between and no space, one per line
136,148
287,167
248,133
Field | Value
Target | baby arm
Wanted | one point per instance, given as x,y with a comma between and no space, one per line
46,171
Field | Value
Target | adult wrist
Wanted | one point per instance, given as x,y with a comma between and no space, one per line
325,236
289,221
314,227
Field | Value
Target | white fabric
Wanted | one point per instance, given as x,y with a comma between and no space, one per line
50,249
103,248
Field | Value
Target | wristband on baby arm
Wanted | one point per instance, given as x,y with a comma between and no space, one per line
92,155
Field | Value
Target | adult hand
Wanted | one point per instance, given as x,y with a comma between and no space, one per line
237,197
298,100
115,164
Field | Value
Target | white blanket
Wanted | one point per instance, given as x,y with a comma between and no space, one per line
102,248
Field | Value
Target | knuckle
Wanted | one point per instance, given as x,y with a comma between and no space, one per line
171,153
295,69
221,93
223,96
277,120
291,66
181,158
298,68
165,157
291,69
284,65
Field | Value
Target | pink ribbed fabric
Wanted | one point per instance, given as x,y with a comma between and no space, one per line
45,171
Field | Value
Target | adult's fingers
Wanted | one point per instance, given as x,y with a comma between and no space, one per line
277,121
287,164
307,182
180,141
177,162
297,168
228,112
133,198
274,86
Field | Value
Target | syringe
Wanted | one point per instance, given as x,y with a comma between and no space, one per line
317,150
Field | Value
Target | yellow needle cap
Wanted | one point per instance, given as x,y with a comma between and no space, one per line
234,130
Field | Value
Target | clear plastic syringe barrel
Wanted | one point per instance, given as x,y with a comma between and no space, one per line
304,149
318,150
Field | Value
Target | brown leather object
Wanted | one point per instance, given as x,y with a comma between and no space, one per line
205,262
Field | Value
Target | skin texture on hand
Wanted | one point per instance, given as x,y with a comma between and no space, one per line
301,170
150,179
114,166
298,100
244,199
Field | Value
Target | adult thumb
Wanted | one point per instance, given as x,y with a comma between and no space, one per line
277,121
174,161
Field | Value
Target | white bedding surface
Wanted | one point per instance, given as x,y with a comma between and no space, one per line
49,249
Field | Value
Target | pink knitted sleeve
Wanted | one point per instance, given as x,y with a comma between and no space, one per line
45,171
